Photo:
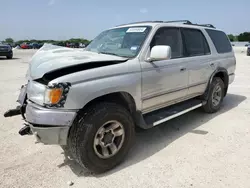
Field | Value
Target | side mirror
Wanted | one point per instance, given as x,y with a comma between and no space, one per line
160,52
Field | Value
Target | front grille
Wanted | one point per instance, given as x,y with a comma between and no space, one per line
4,49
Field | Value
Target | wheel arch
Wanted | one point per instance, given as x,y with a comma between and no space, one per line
221,73
123,98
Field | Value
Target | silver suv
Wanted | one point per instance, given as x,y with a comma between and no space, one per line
137,75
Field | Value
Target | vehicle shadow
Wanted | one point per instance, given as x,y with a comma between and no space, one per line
4,58
151,141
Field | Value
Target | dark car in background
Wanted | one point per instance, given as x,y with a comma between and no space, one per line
35,45
6,50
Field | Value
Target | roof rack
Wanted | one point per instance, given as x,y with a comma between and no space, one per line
173,21
190,23
203,25
141,22
206,25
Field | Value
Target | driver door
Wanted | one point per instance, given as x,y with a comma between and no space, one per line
165,81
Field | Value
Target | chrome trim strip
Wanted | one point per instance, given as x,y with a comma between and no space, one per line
198,84
169,103
172,91
176,115
163,93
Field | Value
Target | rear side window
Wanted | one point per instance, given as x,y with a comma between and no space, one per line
196,43
220,41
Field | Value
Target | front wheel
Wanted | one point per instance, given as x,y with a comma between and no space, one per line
101,136
9,56
215,96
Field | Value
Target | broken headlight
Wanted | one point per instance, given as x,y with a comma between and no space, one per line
56,94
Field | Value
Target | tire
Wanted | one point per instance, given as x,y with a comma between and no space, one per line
210,106
9,56
84,131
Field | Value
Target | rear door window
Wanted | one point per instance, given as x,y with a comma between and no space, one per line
220,40
196,43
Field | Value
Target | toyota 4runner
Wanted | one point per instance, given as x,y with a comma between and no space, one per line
90,101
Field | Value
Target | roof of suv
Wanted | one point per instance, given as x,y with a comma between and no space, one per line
182,23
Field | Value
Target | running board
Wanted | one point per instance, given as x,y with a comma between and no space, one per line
160,116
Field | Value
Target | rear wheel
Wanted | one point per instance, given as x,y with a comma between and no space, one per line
101,136
215,96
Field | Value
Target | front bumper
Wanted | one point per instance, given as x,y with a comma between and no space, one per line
38,115
6,53
50,135
50,126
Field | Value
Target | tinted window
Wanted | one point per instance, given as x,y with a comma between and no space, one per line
196,43
170,37
220,41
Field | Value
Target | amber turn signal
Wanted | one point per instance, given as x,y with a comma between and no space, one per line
55,95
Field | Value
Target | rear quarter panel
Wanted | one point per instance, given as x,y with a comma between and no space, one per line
221,60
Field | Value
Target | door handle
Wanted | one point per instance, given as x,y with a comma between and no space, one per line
183,69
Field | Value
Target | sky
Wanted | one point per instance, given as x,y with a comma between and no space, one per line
64,19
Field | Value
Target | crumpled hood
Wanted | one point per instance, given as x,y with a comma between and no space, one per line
51,57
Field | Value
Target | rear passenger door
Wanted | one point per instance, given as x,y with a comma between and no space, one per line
199,65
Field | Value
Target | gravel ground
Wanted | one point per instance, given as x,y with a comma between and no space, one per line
194,150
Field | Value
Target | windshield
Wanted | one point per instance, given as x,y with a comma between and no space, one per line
124,42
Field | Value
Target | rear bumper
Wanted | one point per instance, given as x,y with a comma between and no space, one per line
49,126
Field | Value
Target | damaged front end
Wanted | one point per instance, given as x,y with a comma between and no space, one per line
43,100
22,101
48,122
48,125
20,110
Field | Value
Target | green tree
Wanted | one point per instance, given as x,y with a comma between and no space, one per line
9,40
244,36
231,37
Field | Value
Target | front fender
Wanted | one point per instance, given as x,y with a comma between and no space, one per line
82,93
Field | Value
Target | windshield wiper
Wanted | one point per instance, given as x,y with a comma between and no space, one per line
108,53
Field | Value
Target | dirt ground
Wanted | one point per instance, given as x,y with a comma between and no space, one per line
194,150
